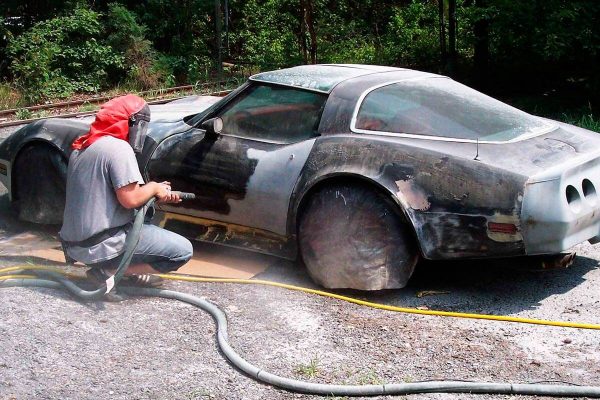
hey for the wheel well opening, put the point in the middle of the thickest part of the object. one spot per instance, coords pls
(357, 181)
(32, 144)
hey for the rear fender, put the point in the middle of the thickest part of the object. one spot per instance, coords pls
(448, 200)
(328, 163)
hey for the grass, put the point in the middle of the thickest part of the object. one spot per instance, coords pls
(41, 114)
(369, 378)
(9, 97)
(86, 107)
(309, 370)
(23, 114)
(559, 107)
(583, 120)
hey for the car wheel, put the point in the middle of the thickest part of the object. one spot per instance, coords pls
(40, 175)
(352, 237)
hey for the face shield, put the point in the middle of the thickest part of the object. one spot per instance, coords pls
(138, 126)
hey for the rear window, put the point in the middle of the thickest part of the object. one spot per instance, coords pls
(441, 107)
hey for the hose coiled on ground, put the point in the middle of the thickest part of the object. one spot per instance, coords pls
(444, 386)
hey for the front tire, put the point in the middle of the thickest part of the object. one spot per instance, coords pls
(351, 237)
(40, 176)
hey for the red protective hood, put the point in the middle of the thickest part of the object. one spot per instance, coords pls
(111, 120)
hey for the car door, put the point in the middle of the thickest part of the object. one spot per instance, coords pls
(244, 175)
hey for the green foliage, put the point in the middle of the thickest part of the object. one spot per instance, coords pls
(412, 38)
(309, 370)
(127, 37)
(62, 55)
(370, 377)
(123, 27)
(584, 119)
(543, 41)
(346, 42)
(57, 47)
(183, 34)
(23, 113)
(267, 34)
(9, 97)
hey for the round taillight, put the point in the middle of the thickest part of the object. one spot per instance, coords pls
(573, 198)
(589, 191)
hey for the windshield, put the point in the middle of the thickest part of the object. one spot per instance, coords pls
(441, 107)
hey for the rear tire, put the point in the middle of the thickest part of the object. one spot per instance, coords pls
(351, 237)
(40, 177)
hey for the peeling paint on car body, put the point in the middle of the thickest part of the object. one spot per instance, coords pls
(412, 196)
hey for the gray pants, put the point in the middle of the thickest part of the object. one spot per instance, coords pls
(164, 250)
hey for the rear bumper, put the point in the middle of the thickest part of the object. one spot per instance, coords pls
(561, 207)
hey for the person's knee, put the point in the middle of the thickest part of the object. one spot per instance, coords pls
(165, 251)
(187, 250)
(182, 251)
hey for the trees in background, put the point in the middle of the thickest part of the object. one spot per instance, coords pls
(56, 47)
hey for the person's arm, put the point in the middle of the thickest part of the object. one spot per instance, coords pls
(135, 195)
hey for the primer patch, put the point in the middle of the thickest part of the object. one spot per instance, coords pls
(412, 196)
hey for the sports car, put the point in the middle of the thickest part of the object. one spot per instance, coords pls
(359, 170)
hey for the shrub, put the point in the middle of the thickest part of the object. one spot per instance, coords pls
(62, 55)
(127, 37)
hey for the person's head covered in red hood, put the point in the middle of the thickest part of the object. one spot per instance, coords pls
(125, 117)
(104, 185)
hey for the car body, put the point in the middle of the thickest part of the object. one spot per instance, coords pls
(466, 175)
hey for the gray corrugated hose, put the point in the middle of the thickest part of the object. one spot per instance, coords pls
(444, 386)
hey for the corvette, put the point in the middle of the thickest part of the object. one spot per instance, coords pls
(359, 170)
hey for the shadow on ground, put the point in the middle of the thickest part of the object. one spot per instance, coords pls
(503, 286)
(499, 286)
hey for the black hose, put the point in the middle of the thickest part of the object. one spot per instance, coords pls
(443, 386)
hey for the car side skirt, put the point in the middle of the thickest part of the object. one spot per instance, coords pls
(232, 235)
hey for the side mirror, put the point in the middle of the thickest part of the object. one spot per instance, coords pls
(213, 126)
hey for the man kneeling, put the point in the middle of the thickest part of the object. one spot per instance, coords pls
(104, 186)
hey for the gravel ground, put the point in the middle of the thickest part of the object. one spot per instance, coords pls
(54, 347)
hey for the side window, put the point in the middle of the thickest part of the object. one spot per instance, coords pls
(275, 114)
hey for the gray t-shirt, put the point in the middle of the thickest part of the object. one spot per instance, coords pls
(92, 206)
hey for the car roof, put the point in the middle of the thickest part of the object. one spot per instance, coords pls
(322, 77)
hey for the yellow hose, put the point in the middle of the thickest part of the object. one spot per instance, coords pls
(5, 277)
(503, 318)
